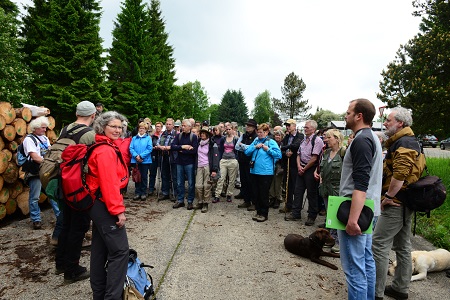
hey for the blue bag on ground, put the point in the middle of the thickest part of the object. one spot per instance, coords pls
(137, 277)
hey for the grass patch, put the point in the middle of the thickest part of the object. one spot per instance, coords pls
(436, 229)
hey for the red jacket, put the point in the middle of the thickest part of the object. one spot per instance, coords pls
(109, 173)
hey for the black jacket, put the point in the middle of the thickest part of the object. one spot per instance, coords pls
(293, 147)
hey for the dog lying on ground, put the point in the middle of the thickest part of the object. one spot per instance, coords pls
(311, 247)
(426, 261)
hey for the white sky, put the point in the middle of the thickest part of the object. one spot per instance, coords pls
(338, 48)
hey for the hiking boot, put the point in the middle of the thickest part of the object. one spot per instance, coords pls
(335, 249)
(244, 205)
(251, 208)
(205, 208)
(239, 196)
(389, 291)
(229, 198)
(178, 204)
(215, 200)
(199, 206)
(276, 204)
(81, 274)
(37, 225)
(261, 219)
(285, 209)
(143, 198)
(137, 197)
(291, 217)
(190, 206)
(255, 217)
(163, 197)
(310, 222)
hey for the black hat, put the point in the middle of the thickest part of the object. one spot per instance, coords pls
(99, 104)
(251, 122)
(205, 123)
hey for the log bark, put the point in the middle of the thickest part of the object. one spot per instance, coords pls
(22, 201)
(7, 111)
(24, 113)
(11, 173)
(3, 161)
(20, 126)
(8, 133)
(15, 189)
(2, 211)
(11, 206)
(4, 195)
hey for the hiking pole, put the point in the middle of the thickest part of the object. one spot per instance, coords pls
(171, 178)
(287, 190)
(160, 158)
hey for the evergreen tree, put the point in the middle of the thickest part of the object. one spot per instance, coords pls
(233, 108)
(164, 69)
(292, 103)
(132, 62)
(64, 48)
(15, 76)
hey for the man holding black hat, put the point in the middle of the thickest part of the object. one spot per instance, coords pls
(244, 162)
(289, 148)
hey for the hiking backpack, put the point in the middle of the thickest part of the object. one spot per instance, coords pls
(137, 278)
(73, 175)
(25, 161)
(49, 167)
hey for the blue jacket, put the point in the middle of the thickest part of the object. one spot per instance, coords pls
(141, 146)
(264, 160)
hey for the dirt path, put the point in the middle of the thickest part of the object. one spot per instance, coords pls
(222, 254)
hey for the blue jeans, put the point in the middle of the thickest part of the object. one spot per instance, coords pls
(35, 212)
(358, 265)
(141, 187)
(187, 171)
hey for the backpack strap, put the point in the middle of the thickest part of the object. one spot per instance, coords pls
(77, 136)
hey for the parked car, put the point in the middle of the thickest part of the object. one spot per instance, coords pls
(427, 140)
(445, 144)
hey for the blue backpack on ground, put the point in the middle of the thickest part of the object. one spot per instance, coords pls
(137, 277)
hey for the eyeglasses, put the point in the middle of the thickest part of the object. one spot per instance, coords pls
(115, 127)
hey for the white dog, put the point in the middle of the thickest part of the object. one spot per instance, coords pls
(426, 261)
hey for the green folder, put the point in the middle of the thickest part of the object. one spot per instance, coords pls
(333, 206)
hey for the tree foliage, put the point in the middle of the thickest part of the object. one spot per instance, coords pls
(262, 111)
(419, 76)
(15, 76)
(213, 114)
(190, 101)
(232, 107)
(291, 103)
(323, 117)
(64, 50)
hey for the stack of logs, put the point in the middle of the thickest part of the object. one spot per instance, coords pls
(14, 126)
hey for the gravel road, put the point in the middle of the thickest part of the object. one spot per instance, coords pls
(222, 254)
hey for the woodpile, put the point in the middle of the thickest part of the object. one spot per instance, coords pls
(14, 126)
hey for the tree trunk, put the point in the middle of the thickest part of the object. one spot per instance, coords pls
(3, 162)
(2, 211)
(11, 206)
(51, 122)
(9, 155)
(12, 146)
(4, 195)
(11, 173)
(8, 133)
(7, 111)
(20, 126)
(2, 122)
(15, 189)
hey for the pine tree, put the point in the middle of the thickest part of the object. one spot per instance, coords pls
(132, 63)
(15, 76)
(165, 63)
(233, 108)
(64, 49)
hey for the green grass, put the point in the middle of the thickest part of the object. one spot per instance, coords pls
(436, 229)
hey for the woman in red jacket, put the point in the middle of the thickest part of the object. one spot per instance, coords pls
(108, 174)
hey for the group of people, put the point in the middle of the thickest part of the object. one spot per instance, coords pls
(273, 165)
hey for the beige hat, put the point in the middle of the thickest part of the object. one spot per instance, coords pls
(290, 121)
(206, 130)
(85, 108)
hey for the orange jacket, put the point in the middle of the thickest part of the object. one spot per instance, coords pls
(109, 173)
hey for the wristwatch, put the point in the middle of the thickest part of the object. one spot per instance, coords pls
(387, 196)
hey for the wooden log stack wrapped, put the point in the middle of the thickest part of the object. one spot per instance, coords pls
(14, 126)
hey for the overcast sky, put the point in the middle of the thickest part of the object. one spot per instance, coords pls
(338, 48)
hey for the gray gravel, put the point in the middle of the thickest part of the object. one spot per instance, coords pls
(222, 254)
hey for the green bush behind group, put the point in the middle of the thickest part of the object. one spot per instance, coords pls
(436, 228)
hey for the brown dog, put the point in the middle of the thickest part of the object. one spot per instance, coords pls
(311, 247)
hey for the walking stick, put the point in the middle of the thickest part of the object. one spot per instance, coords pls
(160, 162)
(287, 190)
